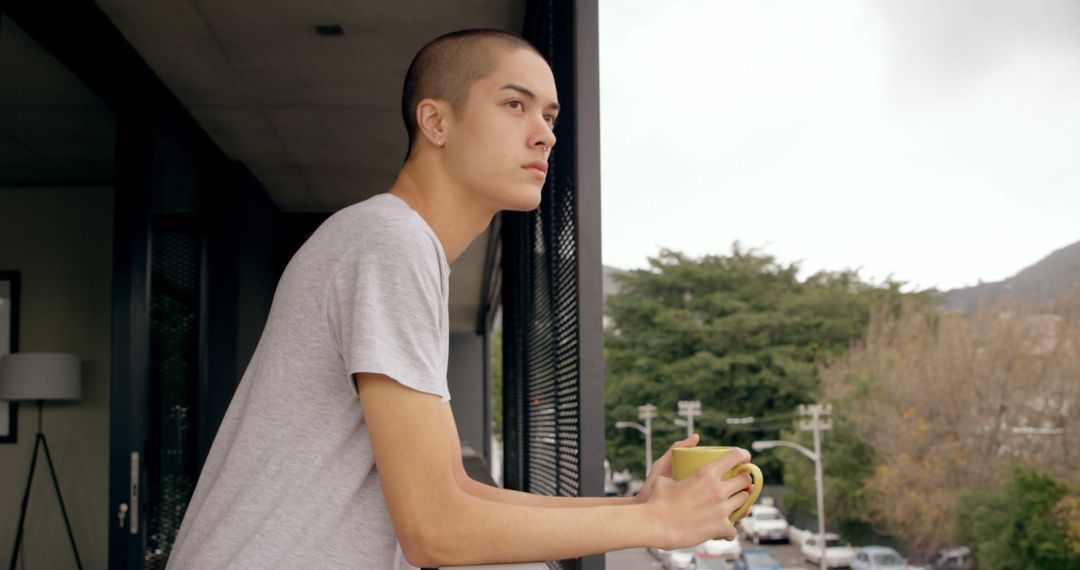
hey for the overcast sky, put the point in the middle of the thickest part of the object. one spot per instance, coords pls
(937, 141)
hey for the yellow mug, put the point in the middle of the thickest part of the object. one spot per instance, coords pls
(687, 460)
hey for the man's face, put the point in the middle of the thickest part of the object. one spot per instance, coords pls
(496, 149)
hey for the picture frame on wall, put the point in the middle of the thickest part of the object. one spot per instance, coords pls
(9, 342)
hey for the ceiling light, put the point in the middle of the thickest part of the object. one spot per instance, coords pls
(329, 30)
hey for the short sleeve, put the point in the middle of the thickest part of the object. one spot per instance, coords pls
(385, 310)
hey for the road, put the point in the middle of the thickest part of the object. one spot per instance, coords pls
(632, 559)
(639, 559)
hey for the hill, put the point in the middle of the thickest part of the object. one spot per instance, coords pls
(1045, 281)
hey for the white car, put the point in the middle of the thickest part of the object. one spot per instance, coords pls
(709, 554)
(717, 554)
(764, 523)
(838, 554)
(678, 559)
(878, 558)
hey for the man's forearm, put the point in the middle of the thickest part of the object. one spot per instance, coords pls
(489, 493)
(470, 530)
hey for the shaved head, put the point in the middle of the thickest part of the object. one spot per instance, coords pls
(447, 66)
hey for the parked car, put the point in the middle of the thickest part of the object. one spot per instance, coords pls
(838, 553)
(797, 535)
(757, 560)
(717, 554)
(713, 563)
(678, 559)
(878, 558)
(711, 554)
(764, 523)
(951, 558)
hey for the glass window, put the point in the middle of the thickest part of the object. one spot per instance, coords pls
(887, 558)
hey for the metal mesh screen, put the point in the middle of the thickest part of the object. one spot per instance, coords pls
(540, 297)
(174, 357)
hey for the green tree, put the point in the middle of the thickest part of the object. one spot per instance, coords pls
(739, 332)
(1015, 527)
(1067, 514)
(934, 398)
(847, 463)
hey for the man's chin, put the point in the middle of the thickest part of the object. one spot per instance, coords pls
(525, 201)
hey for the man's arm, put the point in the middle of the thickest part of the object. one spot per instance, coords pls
(490, 493)
(439, 524)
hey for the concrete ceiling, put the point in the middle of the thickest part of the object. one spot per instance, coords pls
(53, 130)
(316, 118)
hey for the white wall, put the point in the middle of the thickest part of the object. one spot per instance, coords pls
(60, 240)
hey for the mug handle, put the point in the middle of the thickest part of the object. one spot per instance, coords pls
(758, 482)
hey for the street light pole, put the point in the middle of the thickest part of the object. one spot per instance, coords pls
(690, 409)
(815, 411)
(816, 458)
(817, 425)
(646, 413)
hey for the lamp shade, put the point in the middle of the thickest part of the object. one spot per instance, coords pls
(40, 376)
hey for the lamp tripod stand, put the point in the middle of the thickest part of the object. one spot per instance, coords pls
(39, 441)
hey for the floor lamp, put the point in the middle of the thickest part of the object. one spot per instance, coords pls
(28, 376)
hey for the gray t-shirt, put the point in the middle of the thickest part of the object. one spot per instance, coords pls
(290, 481)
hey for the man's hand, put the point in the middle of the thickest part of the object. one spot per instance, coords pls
(662, 468)
(698, 508)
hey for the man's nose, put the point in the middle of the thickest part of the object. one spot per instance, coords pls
(544, 138)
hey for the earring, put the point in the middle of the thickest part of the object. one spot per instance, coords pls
(442, 144)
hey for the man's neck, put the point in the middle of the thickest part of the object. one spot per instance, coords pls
(456, 219)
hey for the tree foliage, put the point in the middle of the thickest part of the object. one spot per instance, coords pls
(946, 402)
(739, 332)
(847, 463)
(1018, 526)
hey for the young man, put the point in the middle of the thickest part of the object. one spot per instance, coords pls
(339, 449)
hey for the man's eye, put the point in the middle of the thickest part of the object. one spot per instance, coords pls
(550, 119)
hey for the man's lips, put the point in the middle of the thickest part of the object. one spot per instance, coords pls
(539, 166)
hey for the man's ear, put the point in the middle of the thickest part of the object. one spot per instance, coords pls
(432, 118)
